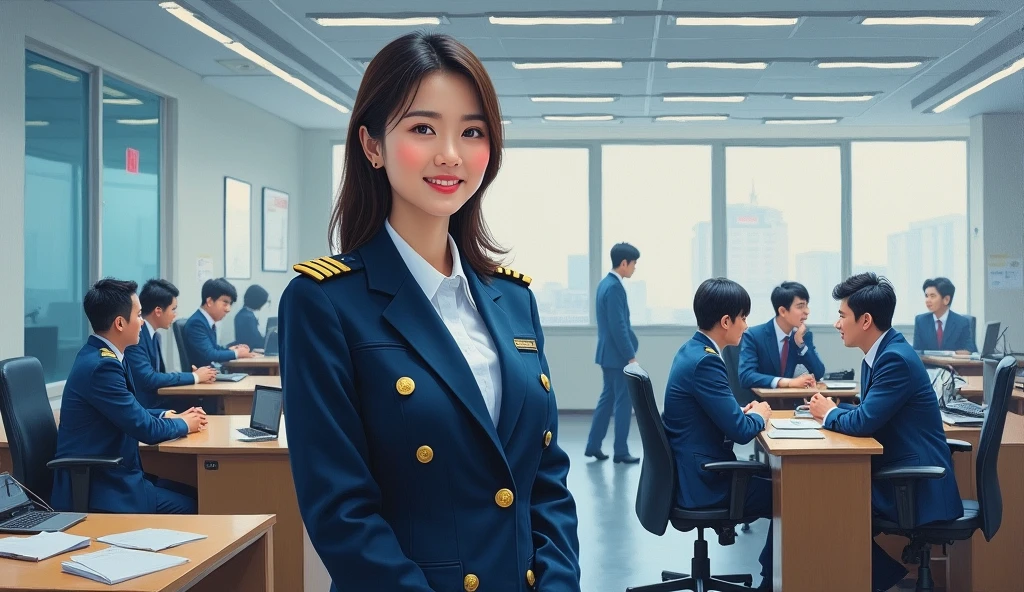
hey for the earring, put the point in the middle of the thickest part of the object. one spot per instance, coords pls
(376, 165)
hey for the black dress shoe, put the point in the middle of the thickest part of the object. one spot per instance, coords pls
(596, 454)
(629, 460)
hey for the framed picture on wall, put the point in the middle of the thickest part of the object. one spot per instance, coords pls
(237, 229)
(275, 230)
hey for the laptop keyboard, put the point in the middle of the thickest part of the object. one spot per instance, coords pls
(28, 520)
(965, 408)
(254, 433)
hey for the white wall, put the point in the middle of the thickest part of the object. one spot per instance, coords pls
(217, 135)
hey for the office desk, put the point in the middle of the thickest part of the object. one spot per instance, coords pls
(821, 497)
(780, 398)
(965, 366)
(235, 397)
(236, 556)
(265, 364)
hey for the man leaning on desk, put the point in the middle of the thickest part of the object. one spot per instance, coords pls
(940, 328)
(898, 409)
(770, 353)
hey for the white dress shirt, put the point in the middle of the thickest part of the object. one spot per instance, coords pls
(943, 318)
(152, 335)
(779, 336)
(616, 274)
(451, 298)
(869, 359)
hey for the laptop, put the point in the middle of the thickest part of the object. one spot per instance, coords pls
(223, 376)
(270, 347)
(265, 418)
(18, 513)
(988, 349)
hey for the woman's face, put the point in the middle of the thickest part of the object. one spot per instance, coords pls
(436, 155)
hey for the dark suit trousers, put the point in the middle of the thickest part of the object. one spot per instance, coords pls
(613, 397)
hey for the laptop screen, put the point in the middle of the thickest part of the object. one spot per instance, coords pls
(11, 495)
(267, 403)
(988, 349)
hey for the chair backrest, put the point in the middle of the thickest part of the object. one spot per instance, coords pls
(990, 500)
(179, 340)
(28, 421)
(731, 357)
(655, 494)
(973, 320)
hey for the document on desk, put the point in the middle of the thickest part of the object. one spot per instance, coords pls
(150, 539)
(795, 435)
(114, 565)
(41, 546)
(795, 424)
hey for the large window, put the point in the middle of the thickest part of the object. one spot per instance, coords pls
(56, 212)
(658, 198)
(538, 208)
(783, 220)
(131, 182)
(910, 217)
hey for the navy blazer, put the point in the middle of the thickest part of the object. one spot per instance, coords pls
(149, 372)
(760, 362)
(201, 345)
(402, 478)
(616, 342)
(956, 334)
(100, 416)
(702, 420)
(247, 329)
(900, 410)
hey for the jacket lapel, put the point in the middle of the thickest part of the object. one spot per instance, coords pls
(773, 347)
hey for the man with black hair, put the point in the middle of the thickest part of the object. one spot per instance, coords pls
(159, 300)
(898, 408)
(616, 347)
(100, 415)
(770, 353)
(940, 328)
(201, 345)
(702, 418)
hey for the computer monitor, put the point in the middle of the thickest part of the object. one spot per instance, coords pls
(270, 347)
(267, 405)
(988, 349)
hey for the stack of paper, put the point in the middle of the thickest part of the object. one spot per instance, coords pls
(795, 429)
(114, 565)
(150, 539)
(794, 424)
(41, 546)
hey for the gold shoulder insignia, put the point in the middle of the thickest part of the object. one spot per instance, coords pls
(323, 268)
(710, 350)
(504, 272)
(106, 353)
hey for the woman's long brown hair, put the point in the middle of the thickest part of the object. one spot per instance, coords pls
(386, 92)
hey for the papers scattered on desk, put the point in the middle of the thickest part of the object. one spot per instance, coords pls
(41, 546)
(795, 435)
(150, 539)
(114, 565)
(795, 424)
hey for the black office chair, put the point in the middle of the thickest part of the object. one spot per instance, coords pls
(985, 513)
(655, 497)
(32, 434)
(179, 340)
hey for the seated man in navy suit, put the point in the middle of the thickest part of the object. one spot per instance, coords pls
(898, 408)
(702, 418)
(771, 352)
(100, 416)
(159, 300)
(941, 328)
(201, 345)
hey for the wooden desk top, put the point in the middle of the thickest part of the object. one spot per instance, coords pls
(833, 444)
(220, 437)
(974, 386)
(950, 361)
(800, 393)
(225, 536)
(1013, 431)
(245, 386)
(258, 362)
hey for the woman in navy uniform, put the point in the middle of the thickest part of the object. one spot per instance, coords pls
(422, 422)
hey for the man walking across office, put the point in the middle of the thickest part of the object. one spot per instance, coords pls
(770, 353)
(616, 348)
(898, 408)
(201, 345)
(941, 328)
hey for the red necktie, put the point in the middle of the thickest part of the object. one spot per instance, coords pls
(938, 332)
(784, 356)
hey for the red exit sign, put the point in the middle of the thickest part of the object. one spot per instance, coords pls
(131, 160)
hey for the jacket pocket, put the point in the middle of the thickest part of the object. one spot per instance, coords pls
(443, 576)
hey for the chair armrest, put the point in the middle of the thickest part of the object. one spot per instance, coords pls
(84, 461)
(904, 480)
(910, 473)
(80, 470)
(736, 465)
(958, 446)
(741, 471)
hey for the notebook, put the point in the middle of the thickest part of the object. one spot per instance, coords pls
(41, 546)
(795, 435)
(150, 539)
(114, 565)
(795, 424)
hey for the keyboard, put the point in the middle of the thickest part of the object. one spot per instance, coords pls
(254, 435)
(965, 407)
(28, 520)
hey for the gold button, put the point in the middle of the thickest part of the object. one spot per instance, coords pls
(424, 454)
(405, 386)
(530, 578)
(544, 381)
(547, 439)
(470, 582)
(503, 498)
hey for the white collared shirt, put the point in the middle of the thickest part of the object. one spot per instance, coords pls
(943, 318)
(209, 319)
(779, 336)
(869, 359)
(152, 335)
(117, 352)
(451, 298)
(616, 274)
(152, 331)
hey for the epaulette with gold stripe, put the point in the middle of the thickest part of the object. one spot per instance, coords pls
(106, 353)
(708, 350)
(511, 274)
(323, 268)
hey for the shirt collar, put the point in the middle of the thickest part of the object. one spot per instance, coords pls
(424, 273)
(779, 333)
(209, 319)
(117, 352)
(943, 318)
(869, 358)
(616, 274)
(150, 328)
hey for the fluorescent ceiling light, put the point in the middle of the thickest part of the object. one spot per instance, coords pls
(579, 117)
(949, 21)
(153, 121)
(411, 21)
(33, 123)
(122, 102)
(865, 64)
(832, 98)
(54, 72)
(800, 121)
(610, 65)
(1007, 71)
(112, 92)
(704, 99)
(551, 20)
(192, 21)
(572, 99)
(720, 65)
(735, 21)
(691, 118)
